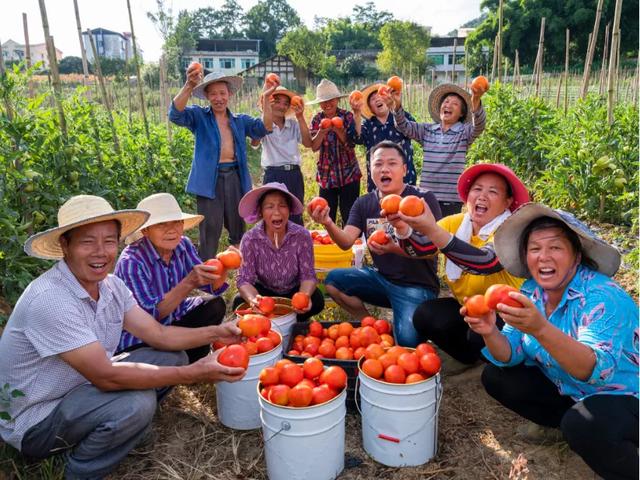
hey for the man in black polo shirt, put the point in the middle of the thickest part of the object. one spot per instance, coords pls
(395, 281)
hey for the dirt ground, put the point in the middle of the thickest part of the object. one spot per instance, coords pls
(476, 441)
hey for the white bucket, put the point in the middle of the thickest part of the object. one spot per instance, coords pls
(237, 402)
(282, 323)
(290, 434)
(400, 421)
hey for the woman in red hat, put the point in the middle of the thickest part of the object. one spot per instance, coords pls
(491, 192)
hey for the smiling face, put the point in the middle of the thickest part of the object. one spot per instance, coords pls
(377, 106)
(388, 170)
(218, 95)
(330, 107)
(280, 105)
(451, 110)
(274, 210)
(165, 236)
(488, 197)
(551, 258)
(90, 252)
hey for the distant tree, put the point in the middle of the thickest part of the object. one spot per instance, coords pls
(225, 22)
(352, 67)
(270, 21)
(111, 66)
(308, 50)
(404, 46)
(370, 17)
(343, 34)
(178, 35)
(70, 65)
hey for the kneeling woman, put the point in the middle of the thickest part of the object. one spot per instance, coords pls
(277, 253)
(491, 191)
(569, 357)
(161, 268)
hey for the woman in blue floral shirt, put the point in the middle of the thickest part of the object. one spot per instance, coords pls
(569, 357)
(377, 126)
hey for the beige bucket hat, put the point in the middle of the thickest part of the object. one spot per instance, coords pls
(76, 212)
(234, 82)
(280, 90)
(366, 93)
(437, 96)
(325, 91)
(163, 207)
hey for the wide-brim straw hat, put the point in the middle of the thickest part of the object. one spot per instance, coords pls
(325, 91)
(520, 194)
(280, 90)
(437, 96)
(366, 93)
(76, 212)
(234, 82)
(508, 235)
(163, 207)
(248, 206)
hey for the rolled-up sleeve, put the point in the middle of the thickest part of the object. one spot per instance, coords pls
(253, 127)
(184, 118)
(515, 338)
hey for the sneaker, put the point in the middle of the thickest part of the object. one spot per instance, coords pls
(539, 435)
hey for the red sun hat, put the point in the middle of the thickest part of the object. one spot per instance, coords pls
(518, 190)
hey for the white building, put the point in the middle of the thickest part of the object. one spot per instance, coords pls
(109, 44)
(14, 51)
(229, 56)
(440, 56)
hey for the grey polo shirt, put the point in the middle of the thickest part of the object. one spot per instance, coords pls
(280, 147)
(55, 314)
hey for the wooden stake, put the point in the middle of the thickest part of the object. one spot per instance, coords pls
(495, 56)
(85, 65)
(499, 41)
(126, 71)
(165, 94)
(558, 91)
(540, 57)
(605, 53)
(143, 108)
(566, 71)
(27, 47)
(611, 80)
(590, 51)
(517, 79)
(53, 68)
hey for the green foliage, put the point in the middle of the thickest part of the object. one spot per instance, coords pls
(70, 64)
(111, 66)
(578, 163)
(368, 16)
(223, 22)
(403, 48)
(307, 49)
(269, 21)
(7, 394)
(343, 34)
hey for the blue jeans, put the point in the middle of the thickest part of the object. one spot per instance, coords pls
(372, 287)
(97, 429)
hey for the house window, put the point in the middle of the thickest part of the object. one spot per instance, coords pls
(227, 63)
(437, 59)
(207, 63)
(459, 59)
(247, 63)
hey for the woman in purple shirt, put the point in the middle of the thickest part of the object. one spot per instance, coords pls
(277, 253)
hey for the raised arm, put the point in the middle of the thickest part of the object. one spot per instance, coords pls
(194, 77)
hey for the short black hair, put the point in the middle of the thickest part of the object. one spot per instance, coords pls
(388, 144)
(545, 223)
(463, 108)
(287, 198)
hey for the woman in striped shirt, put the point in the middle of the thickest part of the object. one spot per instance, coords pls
(491, 193)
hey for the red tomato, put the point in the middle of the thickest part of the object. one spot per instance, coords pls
(269, 376)
(372, 367)
(214, 262)
(315, 329)
(272, 78)
(266, 305)
(264, 344)
(424, 348)
(230, 259)
(413, 378)
(476, 306)
(291, 374)
(327, 350)
(300, 396)
(337, 122)
(430, 364)
(316, 202)
(249, 325)
(367, 321)
(279, 394)
(379, 236)
(390, 203)
(499, 293)
(300, 300)
(409, 362)
(335, 377)
(326, 123)
(274, 337)
(323, 393)
(382, 326)
(394, 374)
(234, 356)
(312, 368)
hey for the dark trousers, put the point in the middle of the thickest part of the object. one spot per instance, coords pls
(450, 208)
(317, 300)
(292, 179)
(439, 320)
(343, 198)
(219, 211)
(602, 429)
(204, 315)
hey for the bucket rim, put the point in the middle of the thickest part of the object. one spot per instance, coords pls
(282, 302)
(360, 371)
(256, 355)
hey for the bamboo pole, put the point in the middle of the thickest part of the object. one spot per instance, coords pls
(499, 40)
(566, 71)
(164, 91)
(53, 68)
(611, 80)
(540, 57)
(103, 91)
(590, 52)
(517, 79)
(605, 53)
(453, 65)
(7, 104)
(143, 108)
(635, 79)
(558, 91)
(127, 73)
(506, 68)
(27, 47)
(83, 53)
(495, 56)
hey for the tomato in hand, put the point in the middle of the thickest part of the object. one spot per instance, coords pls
(476, 306)
(499, 293)
(234, 356)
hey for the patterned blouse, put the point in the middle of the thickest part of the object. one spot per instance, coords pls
(337, 162)
(279, 269)
(373, 132)
(597, 312)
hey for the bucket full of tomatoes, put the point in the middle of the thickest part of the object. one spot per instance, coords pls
(279, 311)
(400, 394)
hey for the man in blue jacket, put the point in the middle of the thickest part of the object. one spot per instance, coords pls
(219, 174)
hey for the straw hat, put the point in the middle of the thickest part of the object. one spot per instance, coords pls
(508, 235)
(518, 190)
(437, 96)
(366, 93)
(234, 82)
(248, 206)
(76, 212)
(280, 90)
(163, 207)
(325, 91)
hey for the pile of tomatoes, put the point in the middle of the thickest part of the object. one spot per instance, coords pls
(402, 365)
(321, 238)
(343, 341)
(259, 338)
(294, 385)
